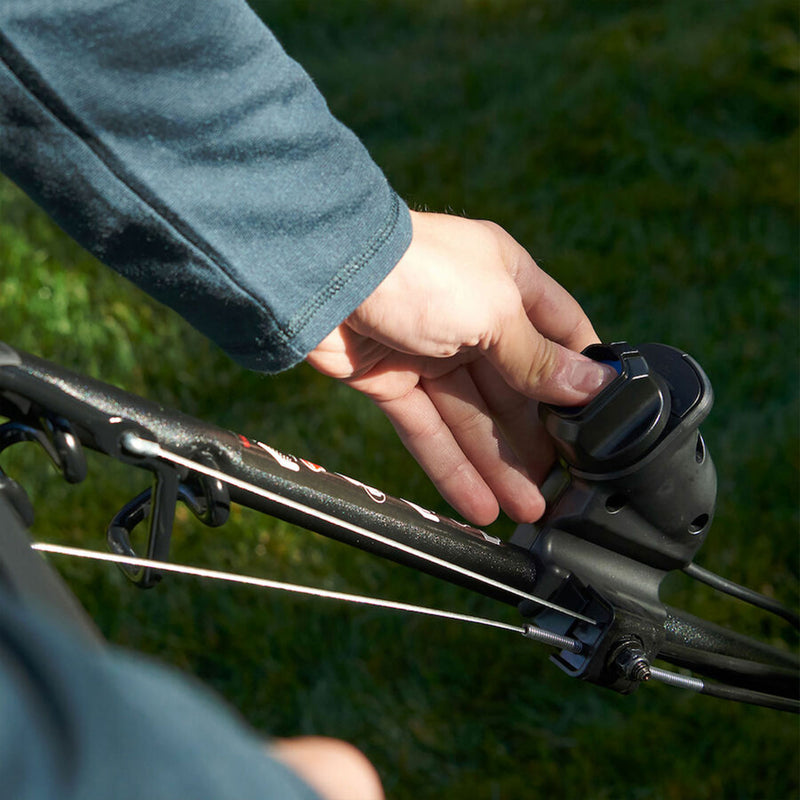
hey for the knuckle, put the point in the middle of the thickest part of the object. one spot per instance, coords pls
(468, 421)
(504, 311)
(543, 363)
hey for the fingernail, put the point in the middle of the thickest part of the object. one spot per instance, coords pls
(589, 377)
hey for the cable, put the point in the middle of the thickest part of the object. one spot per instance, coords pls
(725, 692)
(742, 593)
(529, 631)
(743, 672)
(138, 446)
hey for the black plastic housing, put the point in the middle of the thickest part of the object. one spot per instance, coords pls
(633, 499)
(642, 482)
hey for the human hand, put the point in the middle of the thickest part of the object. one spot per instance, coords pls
(456, 345)
(335, 769)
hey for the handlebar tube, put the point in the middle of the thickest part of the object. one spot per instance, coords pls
(100, 413)
(619, 576)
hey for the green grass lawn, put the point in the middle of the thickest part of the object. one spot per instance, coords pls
(647, 155)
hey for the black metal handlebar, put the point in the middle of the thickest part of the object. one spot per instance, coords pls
(633, 501)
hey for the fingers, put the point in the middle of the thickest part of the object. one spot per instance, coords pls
(470, 420)
(343, 354)
(458, 427)
(525, 323)
(537, 343)
(465, 293)
(459, 430)
(518, 418)
(430, 440)
(554, 312)
(464, 285)
(540, 368)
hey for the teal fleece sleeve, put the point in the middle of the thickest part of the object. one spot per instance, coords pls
(180, 144)
(80, 723)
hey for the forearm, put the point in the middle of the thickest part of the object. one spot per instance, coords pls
(182, 146)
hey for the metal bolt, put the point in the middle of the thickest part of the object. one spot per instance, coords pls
(631, 660)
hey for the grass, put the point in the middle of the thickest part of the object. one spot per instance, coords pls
(647, 155)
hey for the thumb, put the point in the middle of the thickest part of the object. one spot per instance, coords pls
(542, 369)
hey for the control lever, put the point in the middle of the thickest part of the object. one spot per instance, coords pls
(632, 500)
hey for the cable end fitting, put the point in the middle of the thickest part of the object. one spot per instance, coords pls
(135, 445)
(553, 639)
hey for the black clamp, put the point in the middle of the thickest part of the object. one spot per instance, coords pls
(207, 498)
(57, 438)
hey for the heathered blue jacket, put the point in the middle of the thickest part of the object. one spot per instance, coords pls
(179, 143)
